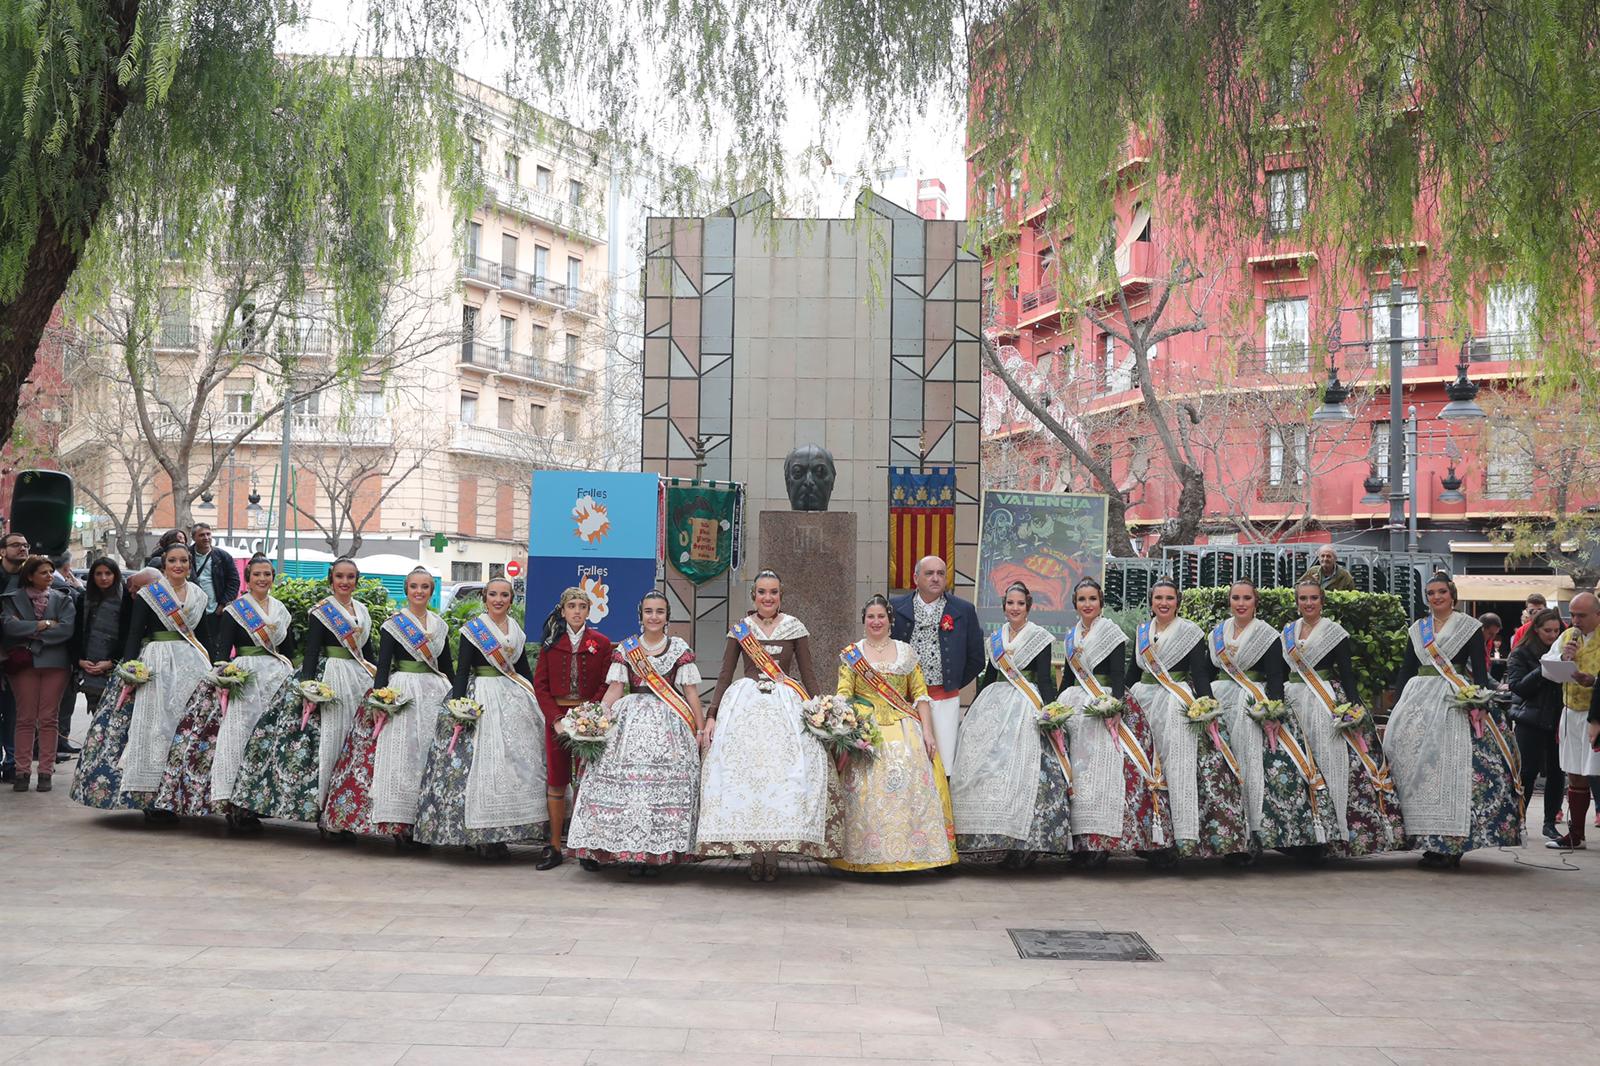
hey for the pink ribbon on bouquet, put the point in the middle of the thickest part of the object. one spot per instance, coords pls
(454, 733)
(1272, 734)
(377, 729)
(305, 714)
(1477, 722)
(127, 694)
(1216, 737)
(223, 701)
(1114, 725)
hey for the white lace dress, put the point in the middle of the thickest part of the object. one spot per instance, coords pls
(638, 802)
(766, 784)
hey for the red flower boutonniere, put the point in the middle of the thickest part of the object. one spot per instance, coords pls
(590, 646)
(947, 623)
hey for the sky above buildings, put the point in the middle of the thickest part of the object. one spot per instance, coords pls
(930, 147)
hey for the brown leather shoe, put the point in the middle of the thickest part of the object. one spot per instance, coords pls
(20, 782)
(44, 783)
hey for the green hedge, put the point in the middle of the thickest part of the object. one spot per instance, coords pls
(1376, 622)
(300, 594)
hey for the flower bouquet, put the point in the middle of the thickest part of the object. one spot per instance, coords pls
(133, 672)
(464, 714)
(1109, 710)
(384, 704)
(311, 694)
(227, 677)
(1202, 715)
(585, 729)
(1269, 715)
(1348, 721)
(844, 726)
(1053, 717)
(1474, 701)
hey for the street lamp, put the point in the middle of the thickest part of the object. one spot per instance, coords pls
(1461, 408)
(1463, 405)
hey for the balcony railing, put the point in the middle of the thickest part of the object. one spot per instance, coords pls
(484, 271)
(1042, 299)
(1291, 358)
(477, 353)
(549, 291)
(508, 444)
(1503, 347)
(563, 214)
(1414, 351)
(315, 428)
(176, 337)
(306, 339)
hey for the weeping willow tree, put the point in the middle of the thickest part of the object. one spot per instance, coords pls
(1483, 110)
(178, 115)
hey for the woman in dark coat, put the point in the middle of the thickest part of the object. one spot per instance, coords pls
(1536, 713)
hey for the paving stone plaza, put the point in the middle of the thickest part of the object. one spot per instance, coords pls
(168, 948)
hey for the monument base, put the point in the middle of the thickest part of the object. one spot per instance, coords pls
(814, 552)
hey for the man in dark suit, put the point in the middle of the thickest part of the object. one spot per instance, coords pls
(214, 571)
(943, 629)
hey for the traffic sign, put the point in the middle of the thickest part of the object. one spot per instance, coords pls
(513, 569)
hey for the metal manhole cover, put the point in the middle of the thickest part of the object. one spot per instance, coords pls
(1081, 945)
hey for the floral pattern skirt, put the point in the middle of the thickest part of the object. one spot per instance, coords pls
(1143, 809)
(98, 781)
(1289, 817)
(279, 776)
(1051, 831)
(637, 803)
(349, 806)
(186, 786)
(897, 812)
(442, 813)
(1373, 818)
(1222, 822)
(1496, 814)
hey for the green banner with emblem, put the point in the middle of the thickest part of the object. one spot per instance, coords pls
(705, 522)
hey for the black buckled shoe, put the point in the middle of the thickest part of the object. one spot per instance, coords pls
(549, 859)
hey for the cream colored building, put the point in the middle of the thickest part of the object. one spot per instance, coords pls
(501, 366)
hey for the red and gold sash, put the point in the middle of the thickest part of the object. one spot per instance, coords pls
(1150, 659)
(637, 658)
(750, 641)
(330, 614)
(1294, 651)
(853, 657)
(1440, 661)
(1150, 769)
(1219, 646)
(1316, 784)
(160, 595)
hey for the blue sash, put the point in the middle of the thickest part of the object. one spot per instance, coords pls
(159, 595)
(482, 635)
(331, 615)
(414, 638)
(245, 612)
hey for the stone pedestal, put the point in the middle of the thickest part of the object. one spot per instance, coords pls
(815, 554)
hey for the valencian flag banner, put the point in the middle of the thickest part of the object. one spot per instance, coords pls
(922, 519)
(704, 526)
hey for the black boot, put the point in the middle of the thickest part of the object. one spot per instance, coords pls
(549, 859)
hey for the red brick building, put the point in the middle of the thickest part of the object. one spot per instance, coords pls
(1271, 310)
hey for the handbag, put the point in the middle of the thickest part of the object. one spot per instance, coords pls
(18, 659)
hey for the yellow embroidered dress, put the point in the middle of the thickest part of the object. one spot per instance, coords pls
(896, 806)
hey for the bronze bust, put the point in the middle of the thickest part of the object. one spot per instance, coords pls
(809, 474)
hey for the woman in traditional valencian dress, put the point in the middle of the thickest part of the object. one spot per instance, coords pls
(207, 751)
(1009, 788)
(1316, 650)
(1119, 803)
(485, 781)
(288, 762)
(1286, 801)
(1169, 671)
(125, 752)
(378, 779)
(897, 805)
(1457, 772)
(636, 804)
(765, 783)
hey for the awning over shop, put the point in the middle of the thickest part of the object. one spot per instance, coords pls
(1504, 588)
